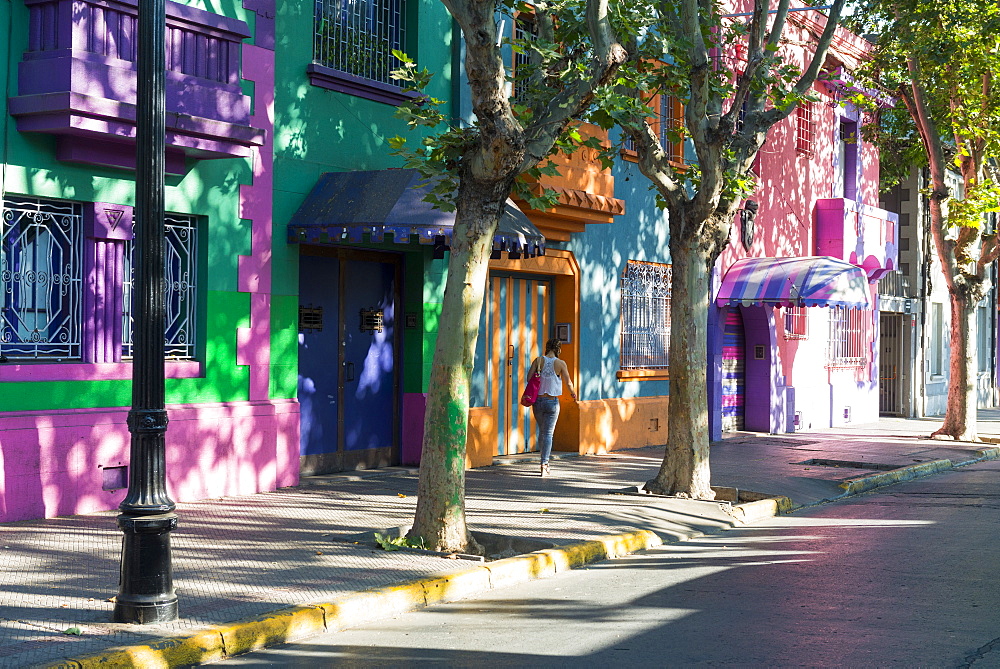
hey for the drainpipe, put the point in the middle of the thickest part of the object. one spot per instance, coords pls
(925, 286)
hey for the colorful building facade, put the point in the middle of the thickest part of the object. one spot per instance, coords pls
(66, 241)
(306, 273)
(795, 330)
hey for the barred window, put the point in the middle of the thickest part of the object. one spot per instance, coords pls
(525, 30)
(180, 265)
(805, 128)
(671, 128)
(795, 323)
(850, 339)
(41, 278)
(645, 317)
(358, 36)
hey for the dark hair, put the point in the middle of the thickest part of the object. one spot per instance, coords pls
(554, 345)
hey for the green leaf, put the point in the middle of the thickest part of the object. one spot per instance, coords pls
(73, 631)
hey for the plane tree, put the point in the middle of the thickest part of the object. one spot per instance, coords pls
(732, 72)
(940, 59)
(569, 49)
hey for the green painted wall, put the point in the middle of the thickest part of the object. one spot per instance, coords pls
(317, 131)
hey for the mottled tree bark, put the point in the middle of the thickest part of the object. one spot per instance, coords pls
(498, 150)
(685, 468)
(440, 515)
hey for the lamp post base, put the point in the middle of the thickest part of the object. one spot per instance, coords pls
(146, 590)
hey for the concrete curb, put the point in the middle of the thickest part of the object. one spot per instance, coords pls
(298, 622)
(862, 484)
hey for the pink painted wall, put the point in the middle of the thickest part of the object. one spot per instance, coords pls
(52, 462)
(791, 184)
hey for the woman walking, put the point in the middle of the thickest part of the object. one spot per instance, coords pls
(553, 372)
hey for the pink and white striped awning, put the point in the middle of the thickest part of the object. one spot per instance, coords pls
(815, 281)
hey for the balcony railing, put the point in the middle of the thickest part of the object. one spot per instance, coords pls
(895, 284)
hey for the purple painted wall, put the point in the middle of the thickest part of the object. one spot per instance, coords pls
(78, 81)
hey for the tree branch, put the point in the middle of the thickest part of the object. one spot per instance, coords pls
(569, 103)
(808, 77)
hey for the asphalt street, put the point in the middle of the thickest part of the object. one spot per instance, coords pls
(901, 577)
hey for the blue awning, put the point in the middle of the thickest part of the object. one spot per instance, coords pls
(388, 205)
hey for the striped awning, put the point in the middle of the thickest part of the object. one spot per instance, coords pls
(816, 281)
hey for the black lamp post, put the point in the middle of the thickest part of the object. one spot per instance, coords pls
(146, 588)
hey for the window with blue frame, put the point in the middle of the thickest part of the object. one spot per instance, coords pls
(41, 279)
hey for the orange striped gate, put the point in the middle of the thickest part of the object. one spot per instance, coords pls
(516, 321)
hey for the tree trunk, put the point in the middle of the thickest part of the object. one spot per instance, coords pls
(960, 416)
(440, 514)
(685, 468)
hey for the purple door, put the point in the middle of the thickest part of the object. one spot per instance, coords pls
(348, 360)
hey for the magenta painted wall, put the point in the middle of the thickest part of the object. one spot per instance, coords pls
(53, 461)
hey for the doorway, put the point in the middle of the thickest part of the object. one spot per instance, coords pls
(516, 321)
(733, 371)
(348, 386)
(890, 364)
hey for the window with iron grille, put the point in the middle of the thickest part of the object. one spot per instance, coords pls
(805, 128)
(671, 128)
(795, 322)
(180, 264)
(849, 344)
(525, 30)
(358, 36)
(41, 278)
(645, 317)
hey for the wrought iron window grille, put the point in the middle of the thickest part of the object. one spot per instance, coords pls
(359, 36)
(645, 315)
(41, 279)
(180, 274)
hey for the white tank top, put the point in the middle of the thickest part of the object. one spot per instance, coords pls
(551, 384)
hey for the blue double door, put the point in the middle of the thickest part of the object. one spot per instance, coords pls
(348, 382)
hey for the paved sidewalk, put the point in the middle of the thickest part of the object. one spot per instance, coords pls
(246, 557)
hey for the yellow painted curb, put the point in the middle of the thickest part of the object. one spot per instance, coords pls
(299, 622)
(865, 483)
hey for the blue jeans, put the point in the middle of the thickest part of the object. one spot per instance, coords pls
(546, 410)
